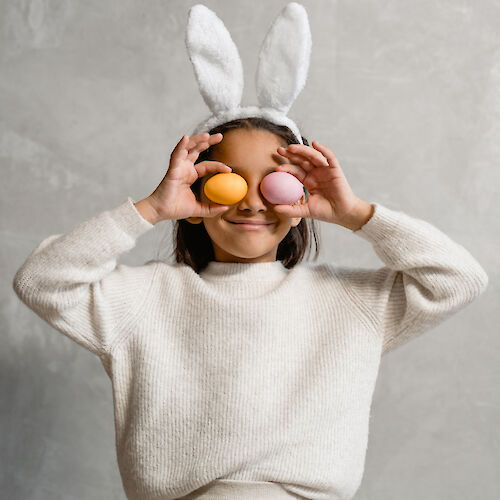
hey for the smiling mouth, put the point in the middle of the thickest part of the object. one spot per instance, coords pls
(253, 223)
(243, 225)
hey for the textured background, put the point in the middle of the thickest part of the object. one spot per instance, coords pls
(95, 94)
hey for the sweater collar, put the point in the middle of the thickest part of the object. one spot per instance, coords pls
(232, 271)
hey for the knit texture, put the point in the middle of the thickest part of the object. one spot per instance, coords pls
(248, 372)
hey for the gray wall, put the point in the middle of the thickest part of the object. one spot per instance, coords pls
(94, 96)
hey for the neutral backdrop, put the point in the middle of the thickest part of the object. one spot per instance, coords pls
(95, 94)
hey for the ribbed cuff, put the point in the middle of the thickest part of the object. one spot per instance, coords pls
(128, 218)
(383, 224)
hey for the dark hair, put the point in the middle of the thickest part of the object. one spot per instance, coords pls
(193, 245)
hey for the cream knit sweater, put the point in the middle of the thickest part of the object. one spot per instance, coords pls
(247, 372)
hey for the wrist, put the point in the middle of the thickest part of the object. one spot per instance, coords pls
(148, 211)
(360, 215)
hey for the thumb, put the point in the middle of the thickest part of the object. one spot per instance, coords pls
(298, 209)
(288, 210)
(211, 209)
(217, 209)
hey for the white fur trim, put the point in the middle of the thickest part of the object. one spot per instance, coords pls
(281, 73)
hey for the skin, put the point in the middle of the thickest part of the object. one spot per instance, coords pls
(330, 199)
(251, 154)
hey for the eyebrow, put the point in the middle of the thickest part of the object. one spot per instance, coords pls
(276, 156)
(271, 169)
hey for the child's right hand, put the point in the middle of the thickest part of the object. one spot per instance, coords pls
(173, 198)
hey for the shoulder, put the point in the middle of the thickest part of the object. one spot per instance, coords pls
(146, 270)
(174, 273)
(333, 285)
(124, 276)
(329, 272)
(350, 276)
(354, 282)
(323, 276)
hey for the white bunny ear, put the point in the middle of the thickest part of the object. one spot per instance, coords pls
(215, 58)
(284, 59)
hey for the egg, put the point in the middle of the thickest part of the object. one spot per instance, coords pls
(281, 188)
(226, 188)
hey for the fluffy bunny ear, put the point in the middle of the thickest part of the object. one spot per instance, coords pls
(215, 58)
(284, 59)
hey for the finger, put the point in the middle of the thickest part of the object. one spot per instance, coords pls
(195, 139)
(195, 151)
(209, 166)
(180, 151)
(202, 142)
(314, 156)
(297, 210)
(205, 137)
(328, 153)
(294, 170)
(211, 209)
(308, 158)
(215, 138)
(304, 163)
(181, 144)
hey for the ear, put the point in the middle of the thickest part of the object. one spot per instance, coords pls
(215, 58)
(194, 220)
(284, 59)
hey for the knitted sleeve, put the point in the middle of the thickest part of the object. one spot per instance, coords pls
(427, 277)
(73, 282)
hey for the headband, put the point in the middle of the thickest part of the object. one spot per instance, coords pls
(281, 73)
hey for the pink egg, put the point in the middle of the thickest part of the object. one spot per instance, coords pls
(281, 188)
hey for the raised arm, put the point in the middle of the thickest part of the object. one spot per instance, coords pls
(73, 282)
(427, 276)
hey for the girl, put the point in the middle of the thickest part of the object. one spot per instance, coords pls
(239, 372)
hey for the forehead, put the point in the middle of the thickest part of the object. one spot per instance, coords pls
(249, 151)
(252, 166)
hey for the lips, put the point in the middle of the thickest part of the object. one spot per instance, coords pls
(251, 225)
(253, 222)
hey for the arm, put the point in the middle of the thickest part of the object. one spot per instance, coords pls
(73, 282)
(427, 277)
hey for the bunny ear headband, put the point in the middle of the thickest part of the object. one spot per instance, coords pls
(281, 73)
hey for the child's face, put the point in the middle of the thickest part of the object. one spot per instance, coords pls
(251, 154)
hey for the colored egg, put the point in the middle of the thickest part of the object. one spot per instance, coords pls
(281, 188)
(226, 188)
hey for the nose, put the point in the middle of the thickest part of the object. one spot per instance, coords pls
(253, 201)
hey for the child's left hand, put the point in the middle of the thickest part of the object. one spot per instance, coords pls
(330, 197)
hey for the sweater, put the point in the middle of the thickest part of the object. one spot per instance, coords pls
(247, 372)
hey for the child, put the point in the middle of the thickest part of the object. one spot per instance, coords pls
(234, 375)
(248, 371)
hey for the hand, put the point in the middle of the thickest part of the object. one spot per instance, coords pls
(173, 198)
(330, 197)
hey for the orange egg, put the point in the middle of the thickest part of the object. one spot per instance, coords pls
(226, 188)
